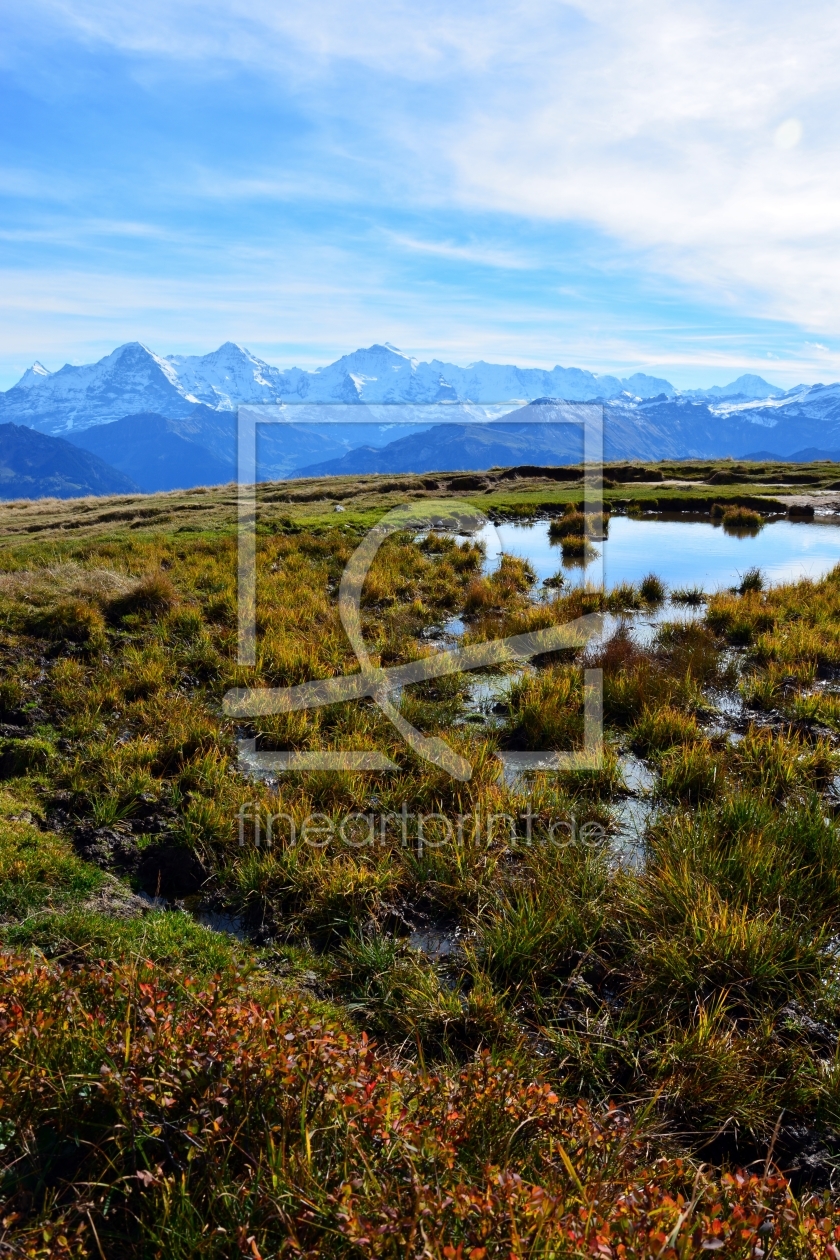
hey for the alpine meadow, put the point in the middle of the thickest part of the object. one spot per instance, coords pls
(355, 1034)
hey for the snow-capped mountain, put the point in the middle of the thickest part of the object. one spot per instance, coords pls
(382, 374)
(191, 399)
(751, 388)
(229, 376)
(133, 380)
(33, 376)
(130, 379)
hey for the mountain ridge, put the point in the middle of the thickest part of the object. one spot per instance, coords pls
(35, 466)
(132, 380)
(677, 428)
(155, 453)
(170, 421)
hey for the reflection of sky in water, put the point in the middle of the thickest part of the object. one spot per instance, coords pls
(681, 553)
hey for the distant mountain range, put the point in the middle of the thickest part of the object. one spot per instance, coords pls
(809, 455)
(167, 423)
(132, 380)
(661, 428)
(35, 466)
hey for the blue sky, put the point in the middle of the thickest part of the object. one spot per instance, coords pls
(619, 186)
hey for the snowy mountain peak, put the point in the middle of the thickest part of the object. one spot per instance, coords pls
(642, 386)
(748, 387)
(133, 380)
(32, 376)
(371, 362)
(387, 345)
(228, 376)
(129, 379)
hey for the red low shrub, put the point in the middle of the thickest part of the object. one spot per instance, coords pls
(144, 1115)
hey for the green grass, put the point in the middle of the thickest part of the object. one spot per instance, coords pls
(38, 870)
(201, 515)
(686, 989)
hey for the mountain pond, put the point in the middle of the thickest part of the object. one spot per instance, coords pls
(684, 553)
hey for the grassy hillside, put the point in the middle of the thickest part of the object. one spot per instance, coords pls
(518, 1040)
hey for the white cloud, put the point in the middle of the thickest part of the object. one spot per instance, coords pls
(698, 132)
(482, 255)
(788, 134)
(665, 140)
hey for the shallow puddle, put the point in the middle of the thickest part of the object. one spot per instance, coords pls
(218, 921)
(435, 942)
(638, 777)
(632, 817)
(729, 713)
(633, 814)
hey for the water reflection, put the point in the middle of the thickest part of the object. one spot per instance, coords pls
(685, 554)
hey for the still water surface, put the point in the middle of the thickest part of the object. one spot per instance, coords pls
(682, 553)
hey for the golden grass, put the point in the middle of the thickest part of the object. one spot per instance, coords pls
(670, 980)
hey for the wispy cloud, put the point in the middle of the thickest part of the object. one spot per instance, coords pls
(663, 156)
(659, 122)
(81, 232)
(399, 37)
(481, 255)
(33, 185)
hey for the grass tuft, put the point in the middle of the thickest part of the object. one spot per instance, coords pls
(742, 518)
(69, 621)
(652, 589)
(692, 596)
(153, 594)
(751, 580)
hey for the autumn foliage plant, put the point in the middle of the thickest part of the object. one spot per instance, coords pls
(146, 1114)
